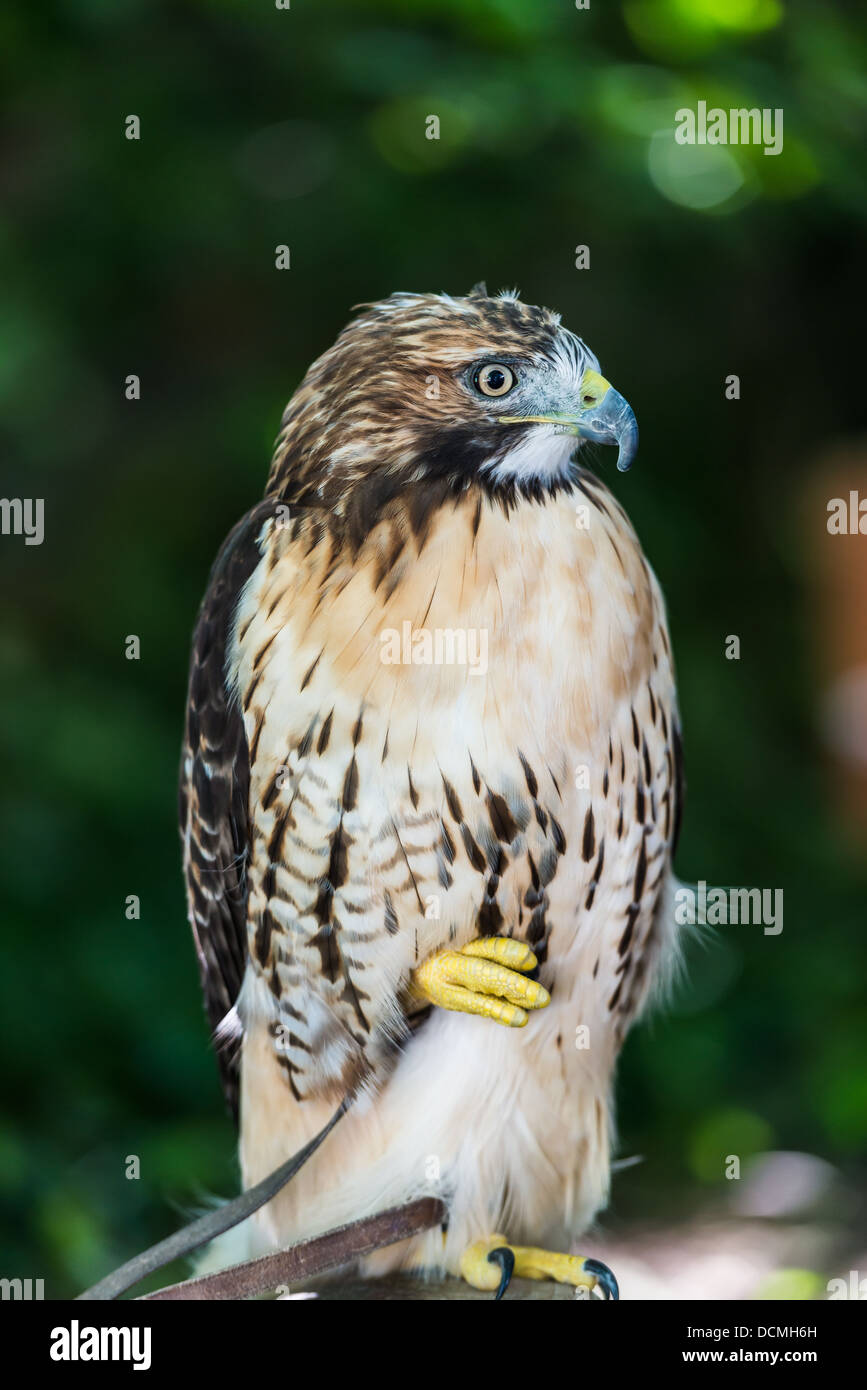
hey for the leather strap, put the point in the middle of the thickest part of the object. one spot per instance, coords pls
(214, 1223)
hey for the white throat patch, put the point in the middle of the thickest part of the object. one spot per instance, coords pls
(542, 454)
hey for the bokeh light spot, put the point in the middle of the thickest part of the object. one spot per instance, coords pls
(694, 176)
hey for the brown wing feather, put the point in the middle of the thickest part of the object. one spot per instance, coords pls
(214, 788)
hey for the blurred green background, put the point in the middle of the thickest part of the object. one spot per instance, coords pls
(306, 127)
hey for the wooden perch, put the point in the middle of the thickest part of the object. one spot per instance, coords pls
(339, 1247)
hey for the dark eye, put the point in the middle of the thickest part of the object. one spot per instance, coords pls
(494, 379)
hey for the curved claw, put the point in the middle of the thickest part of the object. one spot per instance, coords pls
(604, 1278)
(505, 1258)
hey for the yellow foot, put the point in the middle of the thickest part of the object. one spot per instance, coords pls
(489, 1264)
(483, 978)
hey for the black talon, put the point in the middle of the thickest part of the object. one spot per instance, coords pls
(505, 1258)
(604, 1278)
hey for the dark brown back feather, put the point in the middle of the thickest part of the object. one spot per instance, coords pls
(214, 789)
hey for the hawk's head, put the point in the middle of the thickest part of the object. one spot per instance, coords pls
(425, 389)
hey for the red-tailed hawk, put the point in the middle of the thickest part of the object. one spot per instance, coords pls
(431, 789)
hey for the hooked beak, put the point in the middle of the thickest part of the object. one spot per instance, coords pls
(602, 415)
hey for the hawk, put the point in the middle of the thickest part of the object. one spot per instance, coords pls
(431, 790)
